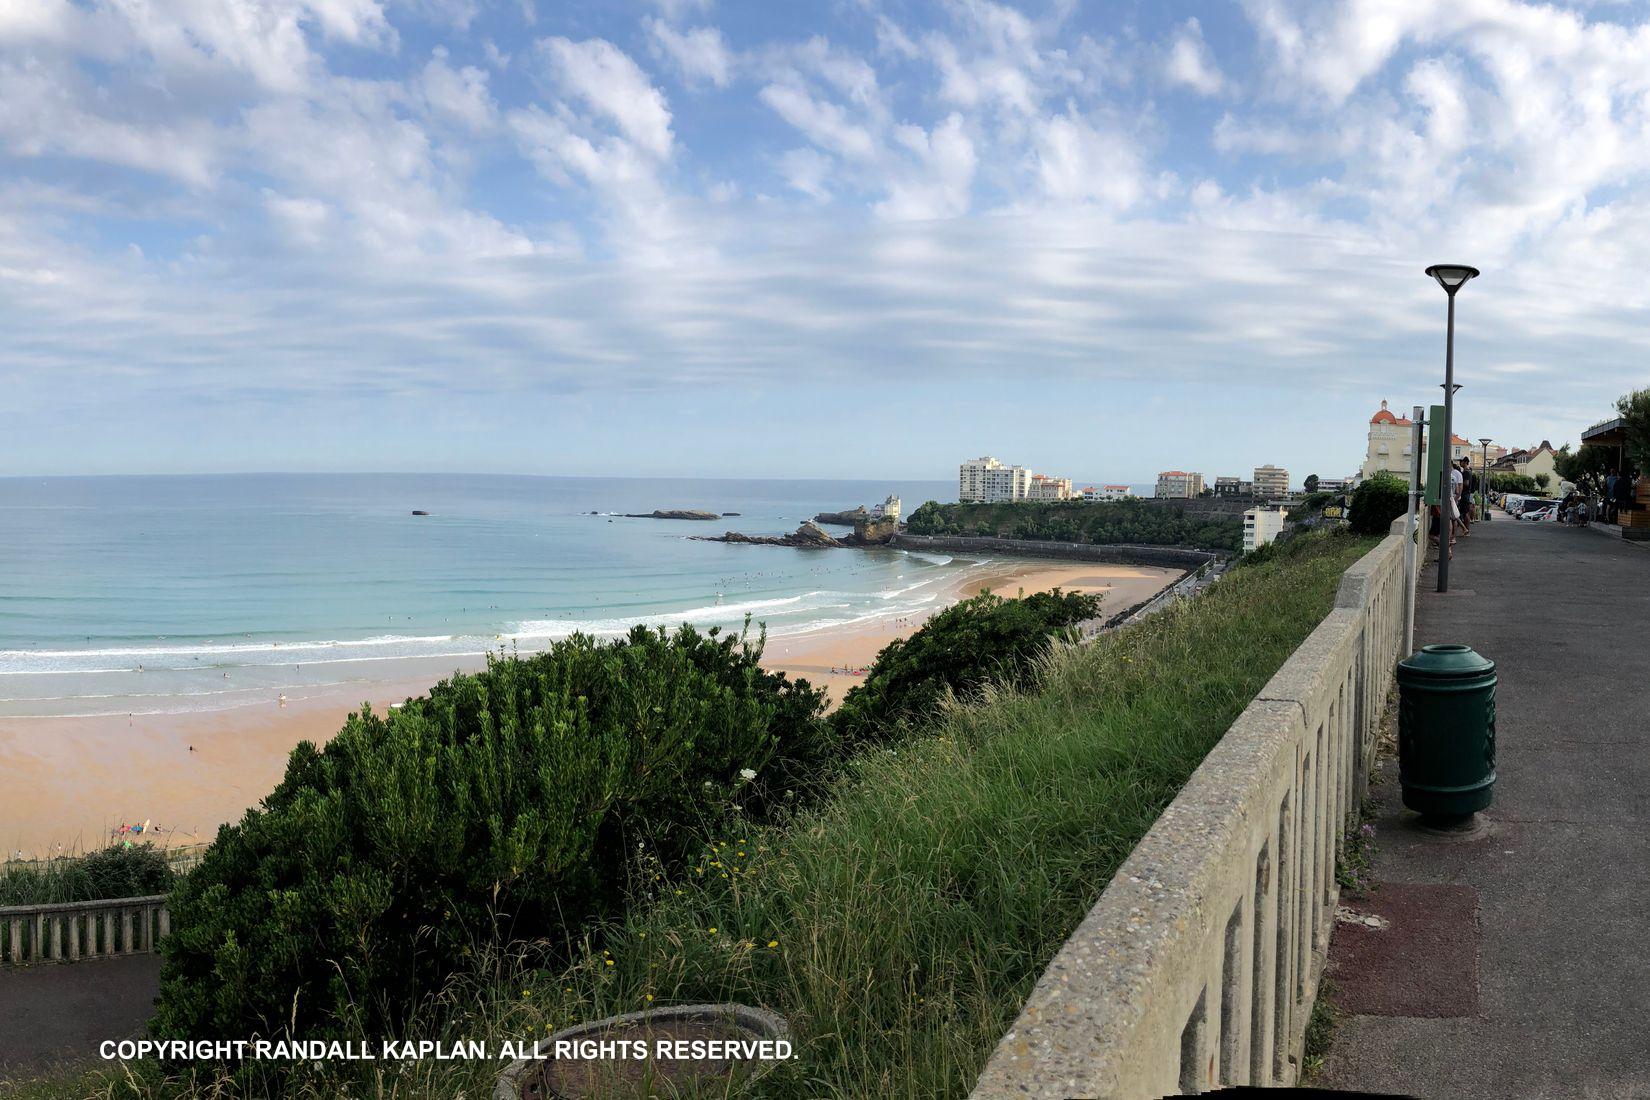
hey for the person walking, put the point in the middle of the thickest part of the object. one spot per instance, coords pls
(1457, 480)
(1610, 495)
(1469, 489)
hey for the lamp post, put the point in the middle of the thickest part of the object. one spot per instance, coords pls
(1484, 481)
(1452, 277)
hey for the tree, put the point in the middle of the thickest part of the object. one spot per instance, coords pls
(1543, 481)
(1378, 501)
(1586, 468)
(1311, 483)
(1635, 412)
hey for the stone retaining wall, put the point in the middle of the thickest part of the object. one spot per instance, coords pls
(1198, 966)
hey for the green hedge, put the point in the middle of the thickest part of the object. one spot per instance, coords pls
(508, 805)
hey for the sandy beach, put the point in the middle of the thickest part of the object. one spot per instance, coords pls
(67, 782)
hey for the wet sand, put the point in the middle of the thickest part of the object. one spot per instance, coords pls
(66, 783)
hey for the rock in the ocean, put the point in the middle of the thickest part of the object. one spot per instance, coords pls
(808, 535)
(843, 519)
(672, 513)
(420, 512)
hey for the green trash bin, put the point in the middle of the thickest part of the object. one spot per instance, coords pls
(1446, 731)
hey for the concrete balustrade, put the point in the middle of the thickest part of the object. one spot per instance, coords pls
(82, 929)
(1198, 966)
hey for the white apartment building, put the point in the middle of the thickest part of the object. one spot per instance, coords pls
(1107, 492)
(1179, 483)
(984, 480)
(1048, 487)
(1261, 526)
(1271, 482)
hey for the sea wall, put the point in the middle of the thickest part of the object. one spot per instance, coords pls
(1199, 965)
(1171, 557)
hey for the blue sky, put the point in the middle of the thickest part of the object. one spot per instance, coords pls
(860, 238)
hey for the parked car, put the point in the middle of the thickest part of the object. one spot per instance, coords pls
(1540, 512)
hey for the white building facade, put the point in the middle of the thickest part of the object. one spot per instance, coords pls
(1261, 526)
(1107, 492)
(1271, 482)
(1048, 487)
(985, 480)
(1179, 483)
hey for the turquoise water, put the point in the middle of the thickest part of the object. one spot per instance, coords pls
(159, 594)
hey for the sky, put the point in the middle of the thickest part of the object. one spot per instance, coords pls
(856, 238)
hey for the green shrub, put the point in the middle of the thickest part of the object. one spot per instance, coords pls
(508, 805)
(114, 872)
(1513, 483)
(1376, 502)
(983, 640)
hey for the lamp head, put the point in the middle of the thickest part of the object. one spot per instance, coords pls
(1485, 442)
(1452, 277)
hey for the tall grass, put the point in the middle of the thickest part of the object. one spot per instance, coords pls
(114, 872)
(900, 926)
(911, 916)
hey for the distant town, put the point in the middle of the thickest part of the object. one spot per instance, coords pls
(988, 480)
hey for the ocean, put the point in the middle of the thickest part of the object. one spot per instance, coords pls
(153, 595)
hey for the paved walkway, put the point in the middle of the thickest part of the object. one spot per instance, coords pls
(56, 1013)
(1518, 964)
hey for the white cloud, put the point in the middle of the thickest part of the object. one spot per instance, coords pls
(613, 86)
(458, 95)
(699, 52)
(1190, 63)
(1080, 162)
(824, 123)
(940, 186)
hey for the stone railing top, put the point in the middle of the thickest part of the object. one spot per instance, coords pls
(47, 908)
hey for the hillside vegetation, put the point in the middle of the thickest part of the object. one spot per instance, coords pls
(900, 922)
(1100, 522)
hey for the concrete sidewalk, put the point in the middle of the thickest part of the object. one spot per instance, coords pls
(55, 1014)
(1517, 964)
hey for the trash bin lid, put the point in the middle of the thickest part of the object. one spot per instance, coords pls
(1447, 661)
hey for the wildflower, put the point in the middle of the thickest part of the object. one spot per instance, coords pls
(773, 943)
(747, 774)
(650, 998)
(527, 993)
(641, 935)
(609, 962)
(713, 930)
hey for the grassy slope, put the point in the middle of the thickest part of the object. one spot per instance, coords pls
(911, 916)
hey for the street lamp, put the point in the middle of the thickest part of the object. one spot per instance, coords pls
(1452, 277)
(1484, 481)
